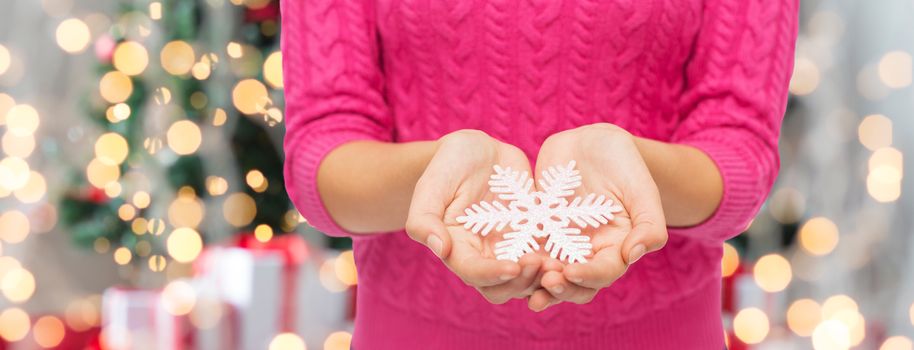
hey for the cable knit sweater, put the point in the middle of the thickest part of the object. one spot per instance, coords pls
(707, 73)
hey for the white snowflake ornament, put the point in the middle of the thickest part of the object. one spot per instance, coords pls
(539, 214)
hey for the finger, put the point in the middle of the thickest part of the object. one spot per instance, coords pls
(553, 264)
(648, 223)
(602, 270)
(548, 264)
(648, 234)
(484, 272)
(561, 289)
(476, 270)
(541, 300)
(425, 222)
(519, 286)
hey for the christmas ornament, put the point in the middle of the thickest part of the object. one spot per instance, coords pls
(540, 214)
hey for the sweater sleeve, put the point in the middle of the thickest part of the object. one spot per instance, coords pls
(734, 100)
(333, 93)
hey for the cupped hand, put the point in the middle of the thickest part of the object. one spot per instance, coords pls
(610, 164)
(456, 177)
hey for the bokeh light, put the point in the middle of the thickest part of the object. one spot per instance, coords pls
(155, 227)
(73, 35)
(233, 49)
(130, 57)
(178, 298)
(157, 263)
(751, 325)
(14, 226)
(17, 285)
(216, 185)
(344, 267)
(14, 173)
(122, 256)
(875, 131)
(22, 120)
(239, 209)
(100, 174)
(887, 157)
(141, 199)
(730, 261)
(126, 212)
(328, 278)
(186, 211)
(155, 10)
(219, 117)
(184, 244)
(263, 233)
(111, 148)
(256, 180)
(177, 57)
(184, 137)
(338, 341)
(895, 69)
(272, 70)
(831, 335)
(837, 303)
(81, 315)
(5, 59)
(48, 331)
(884, 184)
(772, 273)
(6, 102)
(897, 343)
(33, 190)
(287, 341)
(805, 77)
(819, 236)
(19, 146)
(803, 316)
(162, 95)
(14, 324)
(115, 87)
(250, 97)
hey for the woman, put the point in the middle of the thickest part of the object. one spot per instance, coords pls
(398, 110)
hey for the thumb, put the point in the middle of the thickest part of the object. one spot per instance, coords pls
(646, 236)
(428, 229)
(648, 226)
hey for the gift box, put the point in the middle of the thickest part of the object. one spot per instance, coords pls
(137, 319)
(270, 288)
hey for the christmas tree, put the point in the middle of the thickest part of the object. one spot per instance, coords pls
(191, 127)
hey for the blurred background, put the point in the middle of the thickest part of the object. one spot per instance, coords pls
(142, 203)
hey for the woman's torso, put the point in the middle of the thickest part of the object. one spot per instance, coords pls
(521, 71)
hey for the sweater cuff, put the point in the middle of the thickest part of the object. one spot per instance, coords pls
(743, 190)
(301, 178)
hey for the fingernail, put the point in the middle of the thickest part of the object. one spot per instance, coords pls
(505, 277)
(557, 289)
(636, 253)
(576, 279)
(529, 271)
(435, 244)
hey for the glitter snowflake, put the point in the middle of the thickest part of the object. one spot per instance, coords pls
(540, 214)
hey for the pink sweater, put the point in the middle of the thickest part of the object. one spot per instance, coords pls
(707, 73)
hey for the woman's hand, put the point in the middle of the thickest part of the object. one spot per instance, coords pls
(610, 164)
(456, 177)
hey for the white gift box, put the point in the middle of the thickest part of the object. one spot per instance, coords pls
(254, 284)
(136, 319)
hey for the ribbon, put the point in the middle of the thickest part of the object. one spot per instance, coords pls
(294, 252)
